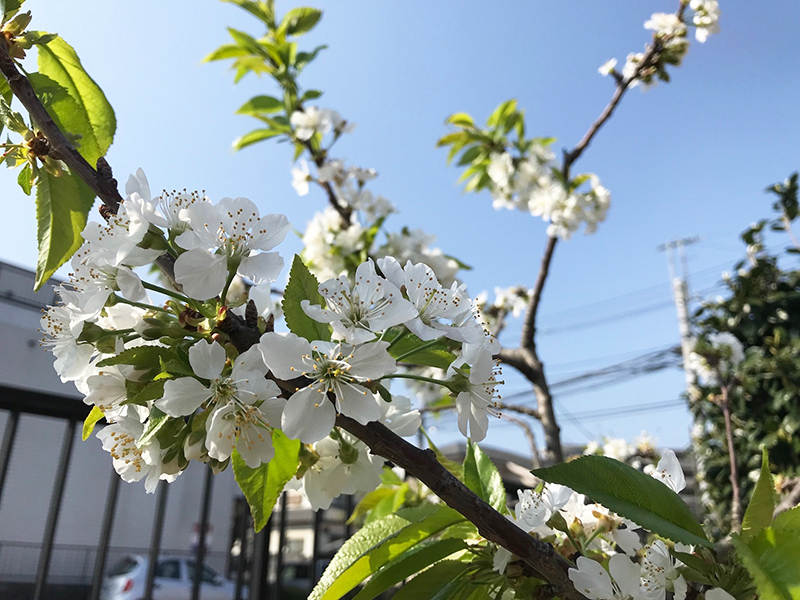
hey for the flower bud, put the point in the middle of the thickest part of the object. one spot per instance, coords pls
(348, 454)
(308, 458)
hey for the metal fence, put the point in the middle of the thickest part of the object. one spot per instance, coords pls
(254, 576)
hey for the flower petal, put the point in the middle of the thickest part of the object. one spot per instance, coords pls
(201, 273)
(308, 416)
(372, 361)
(283, 354)
(207, 359)
(182, 396)
(262, 267)
(358, 403)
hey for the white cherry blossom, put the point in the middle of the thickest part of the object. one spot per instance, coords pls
(358, 314)
(479, 398)
(669, 471)
(229, 236)
(441, 311)
(534, 509)
(300, 178)
(660, 573)
(594, 582)
(332, 367)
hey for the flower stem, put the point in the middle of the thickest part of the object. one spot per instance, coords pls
(441, 382)
(141, 305)
(166, 292)
(424, 346)
(397, 338)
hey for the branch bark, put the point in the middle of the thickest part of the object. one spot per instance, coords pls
(104, 187)
(525, 358)
(491, 524)
(791, 500)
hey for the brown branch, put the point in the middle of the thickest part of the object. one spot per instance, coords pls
(529, 326)
(736, 503)
(104, 187)
(491, 524)
(345, 212)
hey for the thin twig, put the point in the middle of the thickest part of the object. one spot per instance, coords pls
(528, 431)
(736, 504)
(517, 408)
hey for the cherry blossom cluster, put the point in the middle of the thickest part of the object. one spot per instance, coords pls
(335, 244)
(670, 31)
(563, 517)
(171, 385)
(528, 184)
(507, 301)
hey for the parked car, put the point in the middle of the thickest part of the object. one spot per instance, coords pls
(173, 580)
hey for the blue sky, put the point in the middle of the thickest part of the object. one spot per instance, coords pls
(691, 157)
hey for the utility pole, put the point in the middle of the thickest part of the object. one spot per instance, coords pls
(678, 275)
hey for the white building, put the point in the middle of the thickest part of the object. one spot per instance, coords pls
(29, 384)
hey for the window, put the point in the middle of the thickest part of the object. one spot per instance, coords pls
(168, 569)
(123, 567)
(209, 576)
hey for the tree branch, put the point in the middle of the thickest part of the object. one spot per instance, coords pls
(104, 187)
(529, 326)
(491, 524)
(736, 503)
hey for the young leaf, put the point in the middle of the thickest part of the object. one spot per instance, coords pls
(300, 20)
(456, 469)
(141, 357)
(155, 423)
(85, 111)
(629, 493)
(378, 543)
(435, 355)
(303, 286)
(428, 584)
(24, 179)
(772, 558)
(257, 135)
(762, 503)
(263, 486)
(408, 564)
(62, 206)
(370, 501)
(483, 478)
(260, 104)
(90, 421)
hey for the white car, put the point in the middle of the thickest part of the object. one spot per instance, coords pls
(173, 580)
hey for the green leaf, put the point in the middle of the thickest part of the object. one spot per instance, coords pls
(772, 558)
(762, 503)
(431, 582)
(483, 478)
(302, 59)
(310, 95)
(261, 10)
(141, 357)
(10, 8)
(370, 501)
(257, 135)
(388, 505)
(629, 493)
(260, 104)
(86, 112)
(263, 486)
(5, 106)
(226, 51)
(460, 120)
(152, 390)
(436, 355)
(24, 179)
(303, 286)
(408, 564)
(62, 206)
(154, 424)
(300, 20)
(456, 469)
(378, 543)
(90, 421)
